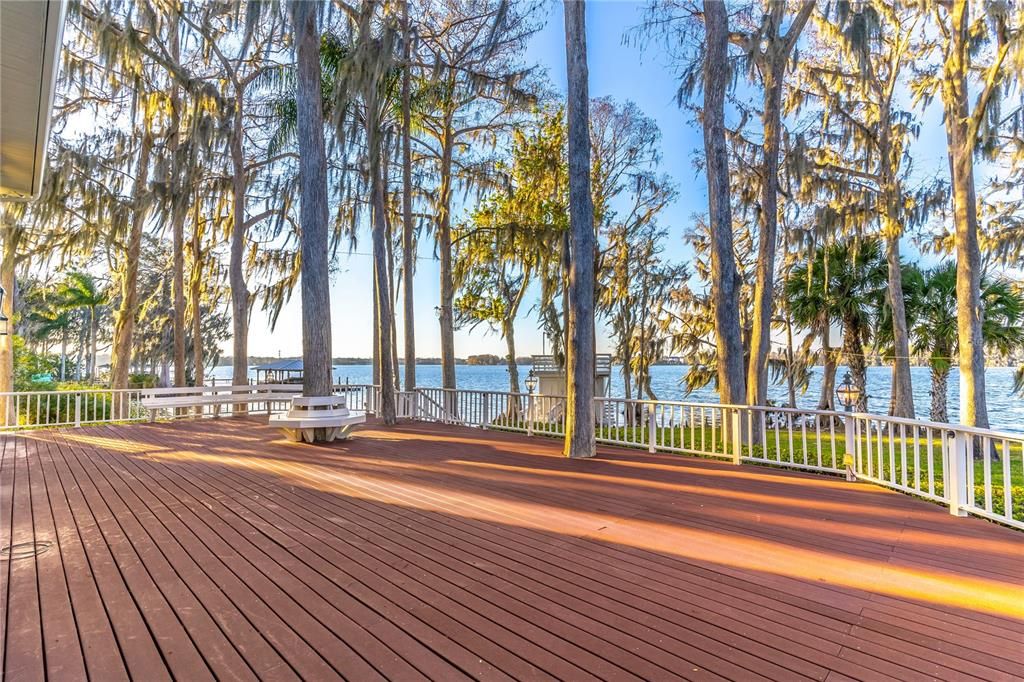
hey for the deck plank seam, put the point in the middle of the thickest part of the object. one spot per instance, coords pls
(119, 563)
(283, 568)
(343, 541)
(226, 496)
(231, 567)
(158, 546)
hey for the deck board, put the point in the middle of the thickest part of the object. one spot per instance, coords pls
(216, 549)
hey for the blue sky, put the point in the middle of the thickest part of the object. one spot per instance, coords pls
(616, 69)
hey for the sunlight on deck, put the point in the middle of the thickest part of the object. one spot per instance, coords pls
(931, 586)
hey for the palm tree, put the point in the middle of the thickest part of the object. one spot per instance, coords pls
(844, 283)
(934, 325)
(82, 291)
(54, 320)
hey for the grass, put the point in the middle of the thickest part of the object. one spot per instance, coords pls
(909, 464)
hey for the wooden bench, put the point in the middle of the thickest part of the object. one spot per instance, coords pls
(317, 412)
(177, 397)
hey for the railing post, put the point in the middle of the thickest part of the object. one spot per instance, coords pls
(736, 429)
(529, 414)
(651, 423)
(850, 454)
(487, 410)
(78, 410)
(955, 467)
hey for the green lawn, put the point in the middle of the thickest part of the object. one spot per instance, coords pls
(917, 469)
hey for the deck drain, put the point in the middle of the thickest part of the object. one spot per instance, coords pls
(24, 550)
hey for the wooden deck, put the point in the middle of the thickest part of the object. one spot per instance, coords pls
(215, 549)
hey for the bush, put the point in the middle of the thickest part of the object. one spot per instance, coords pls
(28, 364)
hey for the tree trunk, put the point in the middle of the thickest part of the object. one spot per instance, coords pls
(179, 210)
(627, 370)
(408, 234)
(375, 360)
(940, 392)
(790, 384)
(853, 350)
(764, 285)
(94, 330)
(725, 280)
(969, 314)
(236, 272)
(82, 356)
(509, 332)
(195, 293)
(316, 292)
(382, 288)
(579, 417)
(63, 353)
(124, 318)
(389, 243)
(383, 296)
(444, 236)
(8, 263)
(827, 401)
(902, 387)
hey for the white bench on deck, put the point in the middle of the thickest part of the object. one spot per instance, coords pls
(317, 412)
(176, 397)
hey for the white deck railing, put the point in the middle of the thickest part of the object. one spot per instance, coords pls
(972, 471)
(37, 409)
(964, 468)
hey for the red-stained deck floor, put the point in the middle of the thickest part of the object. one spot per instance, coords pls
(215, 549)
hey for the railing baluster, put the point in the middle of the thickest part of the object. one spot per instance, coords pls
(817, 441)
(969, 459)
(1007, 481)
(803, 439)
(778, 441)
(663, 425)
(903, 455)
(986, 453)
(870, 455)
(931, 461)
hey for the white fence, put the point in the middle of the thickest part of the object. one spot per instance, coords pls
(42, 409)
(972, 471)
(38, 409)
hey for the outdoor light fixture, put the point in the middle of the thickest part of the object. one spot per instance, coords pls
(531, 381)
(437, 311)
(847, 393)
(3, 318)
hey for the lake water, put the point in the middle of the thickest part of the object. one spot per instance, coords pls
(1006, 410)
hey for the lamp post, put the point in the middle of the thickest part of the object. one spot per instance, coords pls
(848, 395)
(531, 381)
(531, 386)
